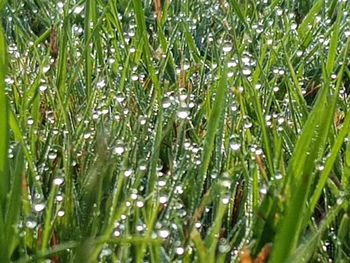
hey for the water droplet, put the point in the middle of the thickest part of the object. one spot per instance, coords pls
(127, 173)
(227, 47)
(119, 149)
(52, 155)
(226, 183)
(42, 88)
(166, 103)
(164, 233)
(163, 199)
(105, 252)
(39, 207)
(139, 204)
(232, 64)
(59, 198)
(179, 189)
(258, 151)
(180, 251)
(263, 191)
(235, 146)
(183, 113)
(101, 84)
(183, 97)
(275, 89)
(133, 196)
(279, 12)
(60, 5)
(140, 228)
(31, 224)
(58, 181)
(198, 225)
(320, 167)
(247, 124)
(78, 10)
(142, 120)
(246, 72)
(30, 121)
(225, 200)
(340, 200)
(278, 176)
(60, 213)
(224, 246)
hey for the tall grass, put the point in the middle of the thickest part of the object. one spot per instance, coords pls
(186, 131)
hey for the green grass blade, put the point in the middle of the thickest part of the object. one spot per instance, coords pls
(337, 143)
(306, 250)
(4, 142)
(213, 122)
(89, 24)
(236, 8)
(301, 167)
(4, 135)
(303, 27)
(14, 205)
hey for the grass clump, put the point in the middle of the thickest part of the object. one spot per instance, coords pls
(161, 131)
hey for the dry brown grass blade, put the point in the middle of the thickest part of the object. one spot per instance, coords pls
(158, 9)
(53, 43)
(245, 257)
(263, 256)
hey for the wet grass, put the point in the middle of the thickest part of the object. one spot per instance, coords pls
(186, 131)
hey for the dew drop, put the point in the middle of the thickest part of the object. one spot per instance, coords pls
(46, 69)
(183, 113)
(30, 121)
(60, 213)
(163, 233)
(52, 155)
(58, 181)
(278, 176)
(227, 48)
(225, 200)
(166, 103)
(118, 149)
(100, 84)
(263, 191)
(127, 173)
(140, 228)
(116, 233)
(42, 88)
(180, 251)
(39, 207)
(78, 9)
(163, 199)
(246, 72)
(139, 204)
(235, 146)
(31, 224)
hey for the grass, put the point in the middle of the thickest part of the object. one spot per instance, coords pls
(174, 131)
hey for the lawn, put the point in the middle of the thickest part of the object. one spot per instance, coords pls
(174, 131)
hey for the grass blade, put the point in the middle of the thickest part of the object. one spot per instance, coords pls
(4, 142)
(301, 166)
(4, 135)
(213, 122)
